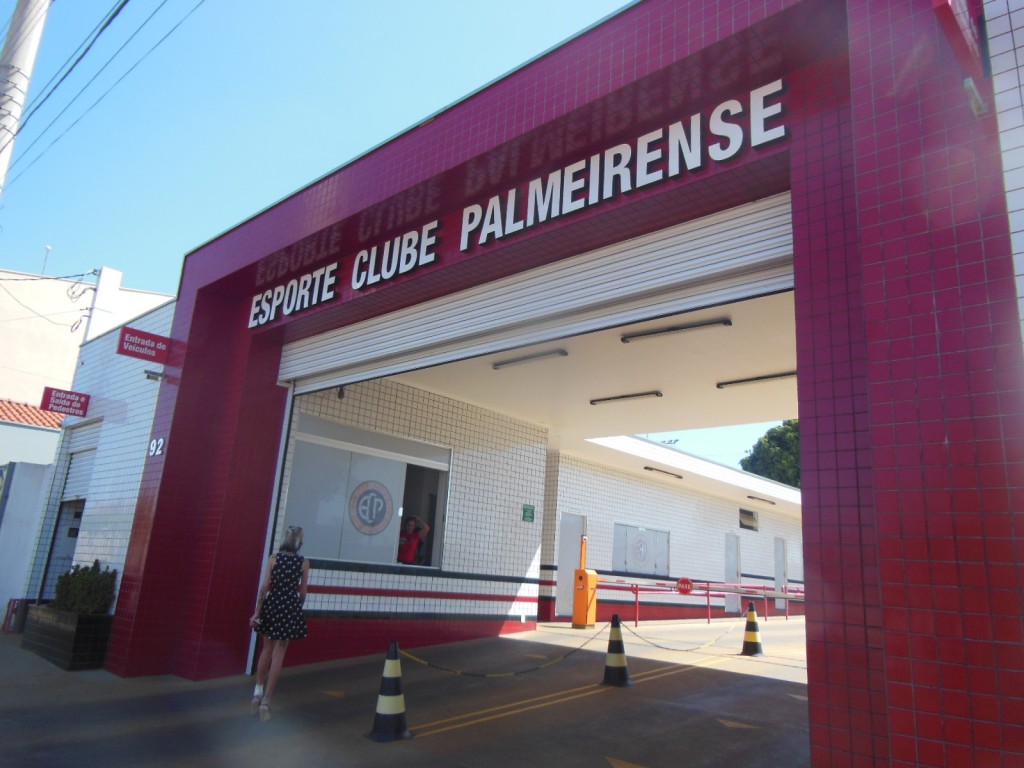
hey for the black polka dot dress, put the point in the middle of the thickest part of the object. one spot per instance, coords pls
(281, 616)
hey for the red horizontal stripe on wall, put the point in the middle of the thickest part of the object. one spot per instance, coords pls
(365, 591)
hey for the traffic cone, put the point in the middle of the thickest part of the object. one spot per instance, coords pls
(752, 635)
(389, 722)
(615, 670)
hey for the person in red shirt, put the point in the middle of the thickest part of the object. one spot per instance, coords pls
(414, 532)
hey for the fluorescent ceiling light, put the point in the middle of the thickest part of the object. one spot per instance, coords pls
(756, 379)
(632, 396)
(497, 366)
(675, 329)
(664, 472)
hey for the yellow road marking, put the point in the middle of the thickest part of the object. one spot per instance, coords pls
(548, 700)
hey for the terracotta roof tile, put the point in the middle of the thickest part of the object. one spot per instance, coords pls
(22, 413)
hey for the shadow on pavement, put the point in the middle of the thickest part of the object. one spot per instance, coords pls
(516, 702)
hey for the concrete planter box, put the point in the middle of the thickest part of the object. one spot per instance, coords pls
(72, 641)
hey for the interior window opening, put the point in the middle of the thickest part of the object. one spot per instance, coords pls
(419, 513)
(366, 497)
(748, 520)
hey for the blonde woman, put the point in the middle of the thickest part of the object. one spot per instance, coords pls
(278, 617)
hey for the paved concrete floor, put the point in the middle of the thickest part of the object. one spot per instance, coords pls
(533, 699)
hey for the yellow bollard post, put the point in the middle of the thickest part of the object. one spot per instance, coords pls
(584, 595)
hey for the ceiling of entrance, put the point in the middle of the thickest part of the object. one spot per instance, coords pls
(584, 386)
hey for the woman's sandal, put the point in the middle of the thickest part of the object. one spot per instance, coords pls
(264, 712)
(254, 706)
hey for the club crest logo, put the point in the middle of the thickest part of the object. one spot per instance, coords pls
(370, 508)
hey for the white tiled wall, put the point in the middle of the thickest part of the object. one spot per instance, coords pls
(497, 468)
(697, 523)
(1004, 20)
(500, 464)
(122, 401)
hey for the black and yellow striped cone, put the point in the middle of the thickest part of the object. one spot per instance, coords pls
(615, 670)
(752, 635)
(389, 723)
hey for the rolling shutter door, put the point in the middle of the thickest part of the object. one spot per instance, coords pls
(732, 255)
(82, 447)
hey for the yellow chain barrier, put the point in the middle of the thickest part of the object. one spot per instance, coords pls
(463, 673)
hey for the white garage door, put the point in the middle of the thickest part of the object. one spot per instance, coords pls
(732, 255)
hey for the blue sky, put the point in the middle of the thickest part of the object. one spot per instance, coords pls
(242, 104)
(724, 445)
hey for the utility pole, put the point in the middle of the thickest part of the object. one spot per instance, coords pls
(16, 62)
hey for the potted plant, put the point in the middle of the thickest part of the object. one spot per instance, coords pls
(72, 631)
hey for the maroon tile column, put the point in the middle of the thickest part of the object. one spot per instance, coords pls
(185, 602)
(912, 426)
(844, 621)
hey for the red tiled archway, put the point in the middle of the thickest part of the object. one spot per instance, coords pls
(911, 373)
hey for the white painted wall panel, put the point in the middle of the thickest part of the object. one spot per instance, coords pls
(117, 428)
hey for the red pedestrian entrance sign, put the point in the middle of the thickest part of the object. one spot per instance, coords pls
(65, 401)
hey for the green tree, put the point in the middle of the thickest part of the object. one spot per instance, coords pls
(776, 455)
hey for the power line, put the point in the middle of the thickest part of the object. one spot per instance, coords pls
(111, 15)
(33, 102)
(107, 92)
(46, 277)
(74, 310)
(85, 87)
(40, 315)
(88, 43)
